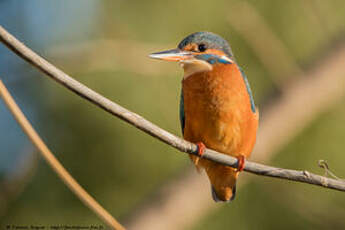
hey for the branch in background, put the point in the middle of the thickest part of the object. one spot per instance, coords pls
(153, 130)
(254, 29)
(281, 120)
(322, 20)
(54, 163)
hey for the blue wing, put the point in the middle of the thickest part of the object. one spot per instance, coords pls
(182, 117)
(248, 90)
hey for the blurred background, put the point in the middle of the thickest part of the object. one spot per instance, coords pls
(293, 54)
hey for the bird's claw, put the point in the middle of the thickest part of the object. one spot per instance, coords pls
(241, 160)
(201, 148)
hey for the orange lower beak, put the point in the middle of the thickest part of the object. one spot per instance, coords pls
(172, 55)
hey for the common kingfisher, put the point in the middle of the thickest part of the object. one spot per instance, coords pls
(217, 109)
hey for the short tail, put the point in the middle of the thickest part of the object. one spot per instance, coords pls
(223, 182)
(217, 199)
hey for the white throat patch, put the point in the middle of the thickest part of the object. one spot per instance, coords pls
(194, 66)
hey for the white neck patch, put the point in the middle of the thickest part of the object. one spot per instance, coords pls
(194, 66)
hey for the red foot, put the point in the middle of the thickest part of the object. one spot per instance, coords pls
(241, 160)
(201, 148)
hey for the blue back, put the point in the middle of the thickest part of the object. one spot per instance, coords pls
(252, 104)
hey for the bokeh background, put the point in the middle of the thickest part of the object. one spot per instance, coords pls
(292, 52)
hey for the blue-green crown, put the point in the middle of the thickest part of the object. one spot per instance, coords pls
(210, 40)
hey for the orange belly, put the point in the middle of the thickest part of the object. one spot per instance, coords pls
(218, 113)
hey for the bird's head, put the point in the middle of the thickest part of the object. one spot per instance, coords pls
(198, 52)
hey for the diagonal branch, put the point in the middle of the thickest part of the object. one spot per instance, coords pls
(54, 163)
(134, 119)
(283, 118)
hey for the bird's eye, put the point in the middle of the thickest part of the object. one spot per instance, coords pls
(202, 47)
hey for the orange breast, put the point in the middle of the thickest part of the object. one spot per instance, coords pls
(218, 111)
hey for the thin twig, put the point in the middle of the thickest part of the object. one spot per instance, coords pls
(324, 165)
(54, 163)
(153, 130)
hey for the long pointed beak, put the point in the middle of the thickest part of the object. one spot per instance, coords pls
(172, 55)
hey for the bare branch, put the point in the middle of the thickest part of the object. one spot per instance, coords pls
(153, 130)
(73, 185)
(324, 165)
(281, 120)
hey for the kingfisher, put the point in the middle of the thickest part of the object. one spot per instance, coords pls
(217, 109)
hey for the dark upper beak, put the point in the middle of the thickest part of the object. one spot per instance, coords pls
(172, 55)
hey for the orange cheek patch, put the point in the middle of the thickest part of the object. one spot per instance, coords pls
(216, 52)
(191, 47)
